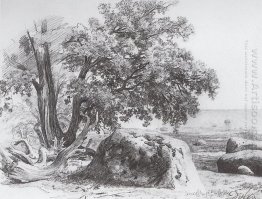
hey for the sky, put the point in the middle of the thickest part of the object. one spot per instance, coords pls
(222, 29)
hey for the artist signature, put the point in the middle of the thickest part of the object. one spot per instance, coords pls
(238, 194)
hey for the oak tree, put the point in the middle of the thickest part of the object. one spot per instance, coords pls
(127, 65)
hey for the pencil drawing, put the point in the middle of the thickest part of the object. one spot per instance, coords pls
(70, 89)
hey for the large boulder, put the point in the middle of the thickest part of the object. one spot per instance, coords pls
(150, 160)
(230, 162)
(245, 170)
(236, 144)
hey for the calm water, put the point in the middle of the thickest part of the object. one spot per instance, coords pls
(213, 119)
(205, 121)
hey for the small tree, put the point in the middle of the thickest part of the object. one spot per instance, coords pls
(128, 65)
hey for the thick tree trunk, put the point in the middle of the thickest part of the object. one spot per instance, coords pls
(46, 96)
(47, 99)
(18, 165)
(70, 135)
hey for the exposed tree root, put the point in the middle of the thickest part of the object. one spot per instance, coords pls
(28, 149)
(20, 155)
(19, 168)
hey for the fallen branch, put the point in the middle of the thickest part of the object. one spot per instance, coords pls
(23, 172)
(29, 149)
(20, 156)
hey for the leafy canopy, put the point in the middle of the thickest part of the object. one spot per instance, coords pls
(128, 64)
(135, 67)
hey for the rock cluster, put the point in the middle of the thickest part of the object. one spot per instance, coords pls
(242, 157)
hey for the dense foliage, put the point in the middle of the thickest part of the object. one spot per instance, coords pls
(128, 64)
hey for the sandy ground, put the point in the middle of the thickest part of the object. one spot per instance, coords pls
(218, 185)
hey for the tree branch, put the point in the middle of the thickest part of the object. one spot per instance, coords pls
(35, 53)
(37, 86)
(132, 76)
(58, 89)
(20, 156)
(88, 64)
(86, 67)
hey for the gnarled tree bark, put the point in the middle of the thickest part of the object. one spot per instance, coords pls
(22, 171)
(46, 96)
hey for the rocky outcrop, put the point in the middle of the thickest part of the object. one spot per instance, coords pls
(242, 156)
(230, 162)
(139, 159)
(239, 144)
